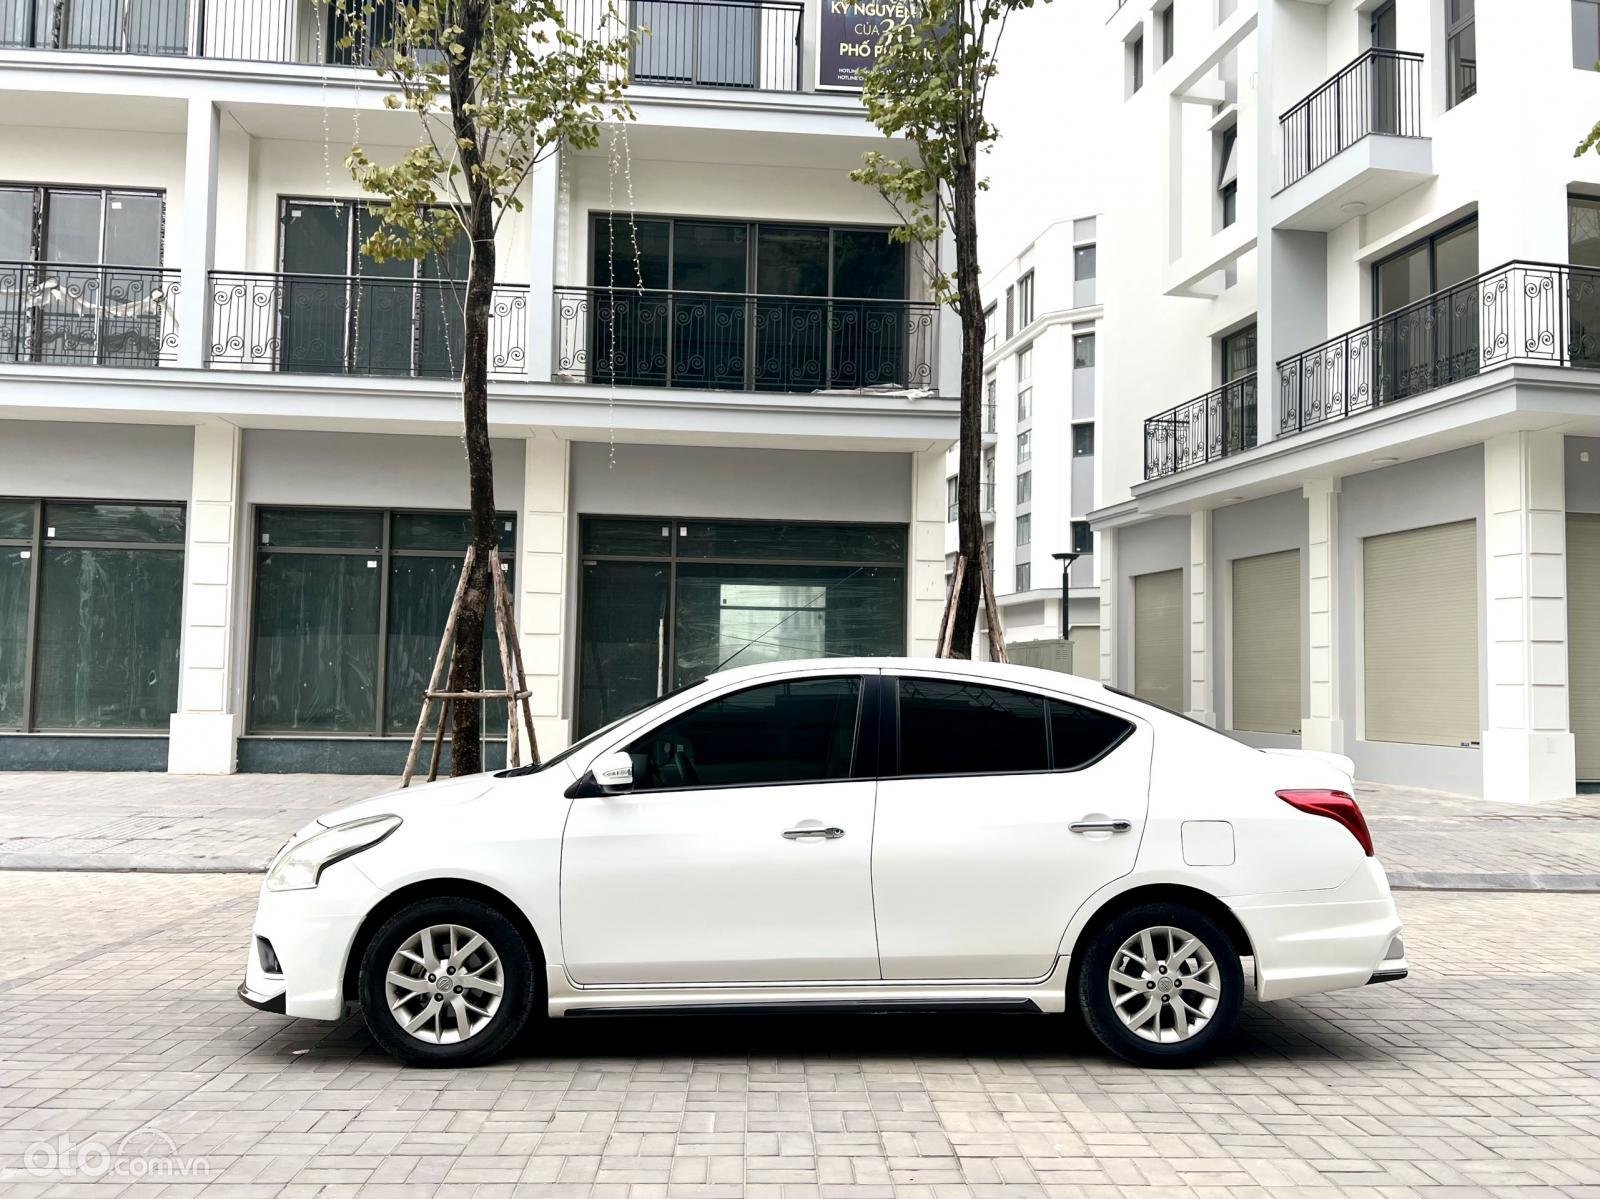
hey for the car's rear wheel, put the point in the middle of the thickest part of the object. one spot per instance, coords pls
(447, 982)
(1160, 984)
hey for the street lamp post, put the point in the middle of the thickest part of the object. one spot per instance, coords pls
(1066, 560)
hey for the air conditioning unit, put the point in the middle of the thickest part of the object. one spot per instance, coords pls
(1053, 654)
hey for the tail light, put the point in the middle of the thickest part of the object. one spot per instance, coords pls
(1335, 805)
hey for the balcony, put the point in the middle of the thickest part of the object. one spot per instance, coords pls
(985, 504)
(642, 337)
(87, 314)
(356, 325)
(1218, 424)
(756, 45)
(1521, 313)
(1355, 141)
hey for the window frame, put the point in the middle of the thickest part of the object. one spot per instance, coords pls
(1594, 7)
(1134, 49)
(1076, 451)
(1081, 339)
(1453, 31)
(1024, 446)
(1073, 529)
(1025, 300)
(1166, 24)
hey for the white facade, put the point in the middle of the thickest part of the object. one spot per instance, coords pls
(1412, 418)
(220, 424)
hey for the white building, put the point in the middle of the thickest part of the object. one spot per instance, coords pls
(1350, 465)
(231, 484)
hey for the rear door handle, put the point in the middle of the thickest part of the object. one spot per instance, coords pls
(1100, 826)
(814, 830)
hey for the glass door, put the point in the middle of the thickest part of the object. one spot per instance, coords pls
(1427, 302)
(1238, 401)
(1385, 71)
(1583, 286)
(314, 238)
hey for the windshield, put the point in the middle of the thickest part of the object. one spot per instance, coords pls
(536, 767)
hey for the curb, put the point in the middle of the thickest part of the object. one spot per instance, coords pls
(116, 863)
(1428, 880)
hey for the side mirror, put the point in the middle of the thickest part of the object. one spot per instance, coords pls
(613, 773)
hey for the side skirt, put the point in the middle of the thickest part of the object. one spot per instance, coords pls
(850, 1007)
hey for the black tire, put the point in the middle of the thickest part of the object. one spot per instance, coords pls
(1102, 946)
(518, 975)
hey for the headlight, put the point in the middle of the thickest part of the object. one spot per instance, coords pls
(301, 866)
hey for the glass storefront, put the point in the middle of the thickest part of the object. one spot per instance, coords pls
(665, 602)
(349, 605)
(91, 597)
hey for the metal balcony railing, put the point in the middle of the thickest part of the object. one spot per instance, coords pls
(1523, 312)
(985, 504)
(991, 417)
(356, 325)
(742, 342)
(751, 44)
(1201, 430)
(1380, 92)
(84, 313)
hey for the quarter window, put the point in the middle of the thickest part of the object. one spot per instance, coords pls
(796, 731)
(1082, 736)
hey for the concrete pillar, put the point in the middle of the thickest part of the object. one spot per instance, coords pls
(1528, 747)
(542, 622)
(544, 212)
(1105, 555)
(1323, 727)
(925, 603)
(198, 241)
(204, 731)
(1200, 704)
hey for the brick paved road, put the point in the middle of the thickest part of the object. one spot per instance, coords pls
(1481, 1074)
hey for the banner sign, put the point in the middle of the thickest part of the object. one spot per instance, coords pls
(848, 36)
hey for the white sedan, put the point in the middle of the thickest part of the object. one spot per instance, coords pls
(866, 835)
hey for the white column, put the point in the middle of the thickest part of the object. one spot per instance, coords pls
(1105, 555)
(542, 623)
(1200, 618)
(926, 599)
(199, 229)
(1324, 727)
(544, 214)
(1528, 747)
(204, 730)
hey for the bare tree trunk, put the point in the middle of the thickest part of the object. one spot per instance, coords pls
(466, 659)
(969, 520)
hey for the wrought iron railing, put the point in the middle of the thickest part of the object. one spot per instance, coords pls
(1523, 312)
(742, 342)
(1380, 92)
(752, 44)
(88, 314)
(356, 325)
(1201, 430)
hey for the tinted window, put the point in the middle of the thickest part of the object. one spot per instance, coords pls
(798, 731)
(1079, 736)
(964, 728)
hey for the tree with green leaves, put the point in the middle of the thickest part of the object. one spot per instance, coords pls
(497, 86)
(928, 86)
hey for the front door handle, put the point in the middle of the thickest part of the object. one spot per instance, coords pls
(1100, 826)
(807, 832)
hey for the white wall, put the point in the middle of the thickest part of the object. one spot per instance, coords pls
(68, 460)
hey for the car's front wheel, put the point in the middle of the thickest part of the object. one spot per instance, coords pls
(447, 982)
(1160, 984)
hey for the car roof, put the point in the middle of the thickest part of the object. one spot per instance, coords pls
(995, 672)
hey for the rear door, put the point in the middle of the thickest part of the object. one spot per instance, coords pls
(976, 869)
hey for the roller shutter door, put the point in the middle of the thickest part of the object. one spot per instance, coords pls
(1158, 638)
(1583, 638)
(1266, 643)
(1420, 607)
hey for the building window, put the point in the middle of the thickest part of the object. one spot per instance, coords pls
(1430, 333)
(1228, 175)
(1083, 440)
(1082, 537)
(990, 404)
(1083, 275)
(1024, 576)
(1024, 363)
(1083, 351)
(986, 482)
(952, 497)
(1136, 63)
(1025, 300)
(1025, 487)
(91, 597)
(348, 609)
(1461, 49)
(1586, 34)
(1024, 529)
(665, 602)
(79, 275)
(1024, 447)
(1226, 9)
(991, 331)
(1025, 404)
(1168, 33)
(1011, 312)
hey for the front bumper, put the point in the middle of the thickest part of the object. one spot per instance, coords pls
(1310, 941)
(311, 933)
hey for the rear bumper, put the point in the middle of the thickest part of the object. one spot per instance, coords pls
(1311, 941)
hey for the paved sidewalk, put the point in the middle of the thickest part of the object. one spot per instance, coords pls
(225, 824)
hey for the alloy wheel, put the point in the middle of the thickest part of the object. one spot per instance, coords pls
(444, 984)
(1164, 984)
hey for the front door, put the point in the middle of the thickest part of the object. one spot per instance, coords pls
(742, 854)
(976, 870)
